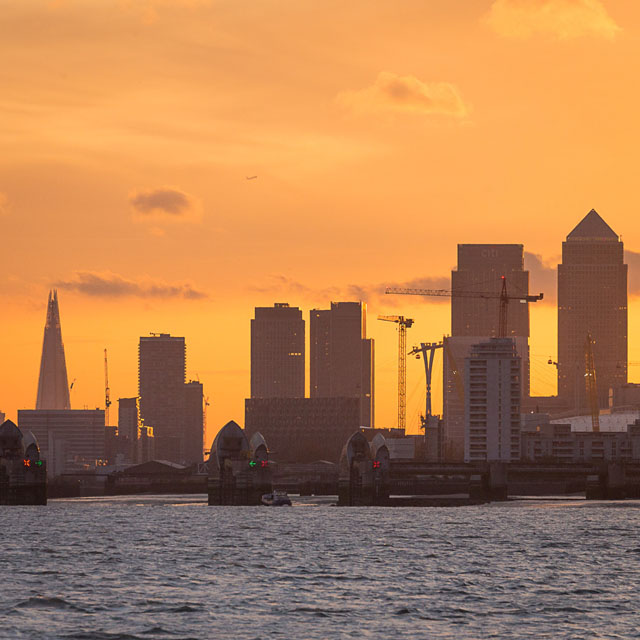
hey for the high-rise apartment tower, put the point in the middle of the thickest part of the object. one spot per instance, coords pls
(592, 299)
(166, 402)
(492, 403)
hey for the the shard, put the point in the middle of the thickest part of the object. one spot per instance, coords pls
(53, 385)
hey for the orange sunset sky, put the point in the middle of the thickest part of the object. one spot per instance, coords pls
(382, 134)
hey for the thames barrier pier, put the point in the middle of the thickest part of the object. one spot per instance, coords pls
(23, 476)
(239, 471)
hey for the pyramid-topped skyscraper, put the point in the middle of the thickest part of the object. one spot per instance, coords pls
(53, 385)
(592, 300)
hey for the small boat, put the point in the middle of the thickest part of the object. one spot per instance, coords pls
(276, 499)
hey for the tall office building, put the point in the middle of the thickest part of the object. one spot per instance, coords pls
(53, 385)
(480, 269)
(492, 402)
(277, 352)
(166, 402)
(342, 357)
(194, 421)
(129, 424)
(592, 299)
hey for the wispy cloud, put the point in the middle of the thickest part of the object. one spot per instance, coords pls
(561, 19)
(111, 285)
(392, 93)
(285, 286)
(169, 204)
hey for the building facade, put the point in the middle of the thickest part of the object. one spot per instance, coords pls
(68, 438)
(480, 269)
(53, 384)
(592, 300)
(341, 358)
(277, 352)
(557, 443)
(194, 421)
(303, 429)
(493, 373)
(170, 406)
(455, 352)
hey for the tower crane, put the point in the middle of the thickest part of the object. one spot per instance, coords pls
(107, 391)
(590, 383)
(403, 324)
(503, 296)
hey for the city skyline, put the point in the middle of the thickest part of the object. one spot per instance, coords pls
(128, 193)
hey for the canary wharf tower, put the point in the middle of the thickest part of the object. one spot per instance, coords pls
(53, 385)
(592, 300)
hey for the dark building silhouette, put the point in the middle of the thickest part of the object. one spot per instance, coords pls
(592, 299)
(53, 385)
(277, 352)
(68, 438)
(128, 425)
(341, 357)
(480, 269)
(168, 404)
(194, 421)
(303, 429)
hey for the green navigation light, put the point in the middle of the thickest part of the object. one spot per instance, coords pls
(252, 463)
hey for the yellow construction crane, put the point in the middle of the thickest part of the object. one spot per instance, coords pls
(590, 383)
(107, 391)
(403, 324)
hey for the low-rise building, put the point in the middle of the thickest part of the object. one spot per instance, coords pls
(557, 443)
(67, 437)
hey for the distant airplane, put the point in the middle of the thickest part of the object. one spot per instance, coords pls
(251, 177)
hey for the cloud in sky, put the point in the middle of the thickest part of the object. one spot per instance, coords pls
(392, 93)
(111, 285)
(562, 19)
(166, 203)
(284, 285)
(542, 276)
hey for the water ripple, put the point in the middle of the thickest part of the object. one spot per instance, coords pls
(144, 567)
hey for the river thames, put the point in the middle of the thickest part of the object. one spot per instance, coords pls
(170, 567)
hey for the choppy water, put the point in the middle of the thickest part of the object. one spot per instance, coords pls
(171, 567)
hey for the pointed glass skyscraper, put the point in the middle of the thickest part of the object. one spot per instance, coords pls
(53, 385)
(592, 299)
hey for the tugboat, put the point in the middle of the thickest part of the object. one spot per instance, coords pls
(276, 499)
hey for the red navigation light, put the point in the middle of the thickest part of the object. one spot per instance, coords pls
(264, 463)
(376, 464)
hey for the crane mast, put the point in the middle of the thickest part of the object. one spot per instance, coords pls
(107, 391)
(590, 383)
(403, 324)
